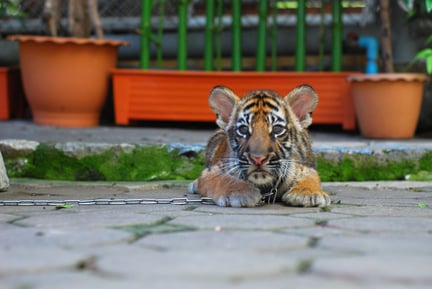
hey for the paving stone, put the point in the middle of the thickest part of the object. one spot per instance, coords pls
(263, 242)
(17, 147)
(385, 211)
(380, 244)
(407, 225)
(28, 259)
(6, 217)
(323, 215)
(409, 271)
(200, 263)
(243, 222)
(88, 218)
(317, 232)
(308, 281)
(61, 237)
(81, 150)
(272, 209)
(373, 197)
(68, 280)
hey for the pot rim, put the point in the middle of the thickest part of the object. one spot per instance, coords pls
(66, 40)
(388, 77)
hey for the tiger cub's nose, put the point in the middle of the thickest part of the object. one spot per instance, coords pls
(258, 160)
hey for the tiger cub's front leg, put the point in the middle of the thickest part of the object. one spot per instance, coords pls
(226, 191)
(306, 191)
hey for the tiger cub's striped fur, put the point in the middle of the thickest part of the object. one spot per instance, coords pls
(262, 145)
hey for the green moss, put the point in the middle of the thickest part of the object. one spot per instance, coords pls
(360, 167)
(425, 162)
(143, 163)
(148, 163)
(161, 226)
(420, 176)
(49, 163)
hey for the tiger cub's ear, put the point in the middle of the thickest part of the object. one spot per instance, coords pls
(222, 101)
(303, 100)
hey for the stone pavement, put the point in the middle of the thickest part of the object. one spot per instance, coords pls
(374, 235)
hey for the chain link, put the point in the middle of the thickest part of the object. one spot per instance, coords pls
(267, 198)
(145, 201)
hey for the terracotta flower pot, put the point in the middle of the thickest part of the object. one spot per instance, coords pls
(183, 95)
(387, 105)
(66, 79)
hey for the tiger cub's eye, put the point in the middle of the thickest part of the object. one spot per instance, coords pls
(278, 130)
(243, 130)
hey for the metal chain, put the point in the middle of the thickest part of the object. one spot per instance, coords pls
(146, 201)
(267, 198)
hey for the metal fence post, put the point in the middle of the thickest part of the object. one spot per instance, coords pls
(236, 35)
(219, 11)
(145, 33)
(336, 35)
(208, 48)
(182, 35)
(273, 33)
(261, 39)
(300, 53)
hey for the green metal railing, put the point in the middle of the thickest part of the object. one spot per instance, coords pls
(209, 28)
(336, 35)
(300, 52)
(214, 31)
(262, 35)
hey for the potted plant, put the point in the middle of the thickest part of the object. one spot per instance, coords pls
(66, 78)
(388, 104)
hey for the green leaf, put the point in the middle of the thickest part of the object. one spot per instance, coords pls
(338, 202)
(429, 65)
(61, 207)
(428, 5)
(428, 40)
(422, 205)
(407, 5)
(423, 54)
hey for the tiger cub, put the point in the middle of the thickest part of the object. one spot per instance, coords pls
(262, 146)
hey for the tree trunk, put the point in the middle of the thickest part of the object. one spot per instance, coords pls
(94, 15)
(51, 15)
(81, 15)
(386, 42)
(79, 18)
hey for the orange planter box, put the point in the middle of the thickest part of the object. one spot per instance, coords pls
(183, 95)
(4, 94)
(12, 99)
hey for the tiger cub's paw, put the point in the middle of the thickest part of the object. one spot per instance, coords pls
(248, 198)
(193, 187)
(306, 198)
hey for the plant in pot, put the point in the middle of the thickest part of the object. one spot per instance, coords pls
(387, 105)
(66, 79)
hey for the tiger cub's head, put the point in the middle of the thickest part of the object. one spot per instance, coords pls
(266, 132)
